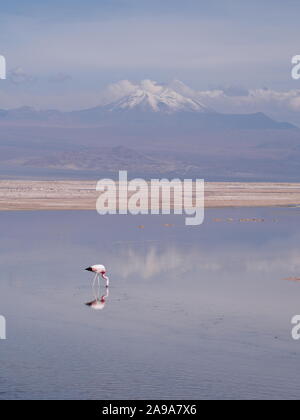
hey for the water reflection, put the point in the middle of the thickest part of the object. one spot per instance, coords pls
(99, 302)
(215, 259)
(204, 303)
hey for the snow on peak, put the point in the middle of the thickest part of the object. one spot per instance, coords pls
(151, 96)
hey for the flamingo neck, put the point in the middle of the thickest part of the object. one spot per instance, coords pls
(106, 278)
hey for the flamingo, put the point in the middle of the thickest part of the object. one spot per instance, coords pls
(99, 270)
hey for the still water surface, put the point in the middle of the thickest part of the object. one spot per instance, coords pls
(193, 312)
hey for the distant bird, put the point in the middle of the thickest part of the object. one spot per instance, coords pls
(99, 270)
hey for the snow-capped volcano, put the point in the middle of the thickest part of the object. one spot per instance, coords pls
(150, 96)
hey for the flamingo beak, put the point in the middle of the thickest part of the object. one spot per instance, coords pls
(88, 269)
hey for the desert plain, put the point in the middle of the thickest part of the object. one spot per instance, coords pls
(82, 195)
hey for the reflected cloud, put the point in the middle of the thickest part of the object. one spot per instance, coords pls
(156, 260)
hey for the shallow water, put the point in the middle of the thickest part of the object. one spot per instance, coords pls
(193, 312)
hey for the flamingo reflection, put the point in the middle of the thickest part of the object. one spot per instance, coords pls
(99, 302)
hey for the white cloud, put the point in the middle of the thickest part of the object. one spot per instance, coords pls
(241, 98)
(151, 86)
(265, 100)
(118, 90)
(281, 105)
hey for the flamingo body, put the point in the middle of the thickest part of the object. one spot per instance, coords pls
(98, 268)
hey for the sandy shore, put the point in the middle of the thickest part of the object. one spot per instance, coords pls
(82, 195)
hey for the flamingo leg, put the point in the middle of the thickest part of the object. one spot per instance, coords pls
(94, 281)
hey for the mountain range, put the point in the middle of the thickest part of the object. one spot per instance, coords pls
(149, 104)
(151, 130)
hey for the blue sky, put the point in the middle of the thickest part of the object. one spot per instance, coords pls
(95, 8)
(63, 53)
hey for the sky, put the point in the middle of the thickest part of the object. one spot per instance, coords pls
(63, 54)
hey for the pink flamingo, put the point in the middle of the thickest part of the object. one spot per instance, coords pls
(99, 270)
